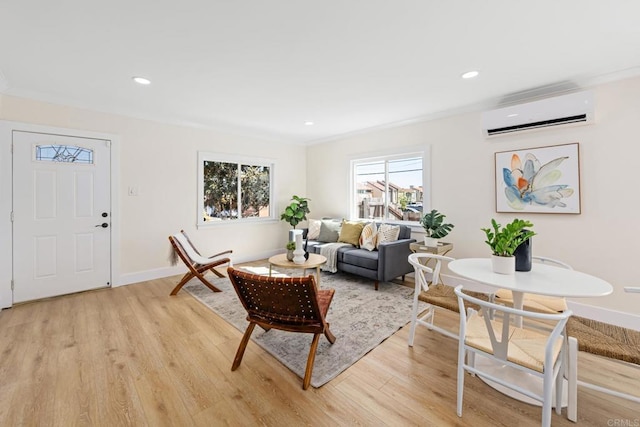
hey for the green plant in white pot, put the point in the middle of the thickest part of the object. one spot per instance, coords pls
(296, 211)
(435, 228)
(503, 242)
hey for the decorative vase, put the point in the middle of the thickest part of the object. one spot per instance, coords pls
(298, 253)
(431, 242)
(503, 264)
(289, 255)
(523, 255)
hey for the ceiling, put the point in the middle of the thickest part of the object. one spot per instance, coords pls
(265, 67)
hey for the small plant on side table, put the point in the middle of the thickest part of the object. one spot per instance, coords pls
(434, 227)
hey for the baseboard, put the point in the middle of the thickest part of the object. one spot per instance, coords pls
(143, 276)
(601, 314)
(159, 273)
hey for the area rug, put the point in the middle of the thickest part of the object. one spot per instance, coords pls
(360, 318)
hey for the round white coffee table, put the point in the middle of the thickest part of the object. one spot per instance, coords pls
(314, 262)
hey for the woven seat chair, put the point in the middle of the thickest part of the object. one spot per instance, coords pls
(428, 288)
(196, 263)
(605, 340)
(291, 304)
(536, 352)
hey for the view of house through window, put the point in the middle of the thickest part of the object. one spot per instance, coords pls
(388, 188)
(235, 190)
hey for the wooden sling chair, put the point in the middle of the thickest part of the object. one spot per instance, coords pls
(196, 263)
(291, 304)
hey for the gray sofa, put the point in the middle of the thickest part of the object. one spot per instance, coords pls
(389, 261)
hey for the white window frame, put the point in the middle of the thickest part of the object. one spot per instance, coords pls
(423, 151)
(206, 156)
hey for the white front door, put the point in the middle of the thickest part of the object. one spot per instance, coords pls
(61, 214)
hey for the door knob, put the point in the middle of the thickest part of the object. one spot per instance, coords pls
(103, 225)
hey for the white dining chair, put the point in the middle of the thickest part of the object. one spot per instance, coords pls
(540, 353)
(430, 289)
(546, 304)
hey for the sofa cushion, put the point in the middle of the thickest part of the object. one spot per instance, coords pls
(350, 232)
(343, 250)
(387, 233)
(361, 258)
(369, 236)
(329, 231)
(314, 247)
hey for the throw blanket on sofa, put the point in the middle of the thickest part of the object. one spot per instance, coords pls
(330, 251)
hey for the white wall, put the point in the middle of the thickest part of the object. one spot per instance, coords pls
(161, 160)
(602, 240)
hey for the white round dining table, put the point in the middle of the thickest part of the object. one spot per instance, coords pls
(543, 279)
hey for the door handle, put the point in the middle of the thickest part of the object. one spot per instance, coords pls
(103, 225)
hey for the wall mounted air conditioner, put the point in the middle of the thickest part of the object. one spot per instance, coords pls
(560, 110)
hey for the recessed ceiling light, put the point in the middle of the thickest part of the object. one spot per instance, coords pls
(512, 115)
(308, 123)
(141, 80)
(470, 74)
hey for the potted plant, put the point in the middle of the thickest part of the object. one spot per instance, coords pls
(290, 247)
(296, 211)
(434, 227)
(503, 242)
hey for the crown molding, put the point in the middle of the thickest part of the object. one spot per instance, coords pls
(579, 83)
(133, 114)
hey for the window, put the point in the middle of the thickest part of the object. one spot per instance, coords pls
(389, 188)
(234, 189)
(64, 154)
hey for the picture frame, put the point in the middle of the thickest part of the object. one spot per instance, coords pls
(538, 180)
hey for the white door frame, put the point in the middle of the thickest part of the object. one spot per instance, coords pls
(6, 200)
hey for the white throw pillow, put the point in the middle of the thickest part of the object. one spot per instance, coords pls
(314, 229)
(387, 233)
(369, 236)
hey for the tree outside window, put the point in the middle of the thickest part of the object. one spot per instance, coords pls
(256, 186)
(235, 190)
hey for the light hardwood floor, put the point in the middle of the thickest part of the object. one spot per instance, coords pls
(133, 355)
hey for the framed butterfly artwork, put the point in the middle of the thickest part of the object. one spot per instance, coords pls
(539, 180)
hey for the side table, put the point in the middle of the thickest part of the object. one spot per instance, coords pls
(442, 249)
